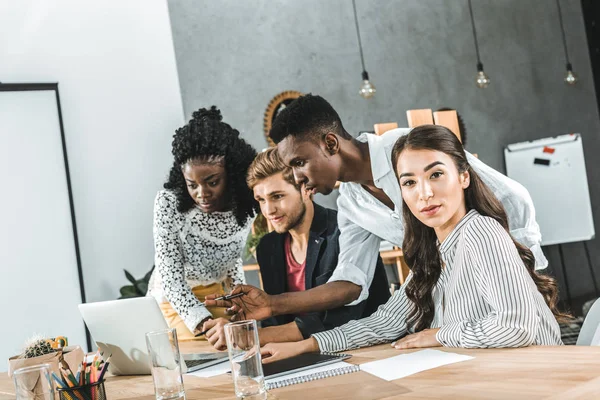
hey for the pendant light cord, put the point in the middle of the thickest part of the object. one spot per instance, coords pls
(474, 33)
(362, 59)
(562, 30)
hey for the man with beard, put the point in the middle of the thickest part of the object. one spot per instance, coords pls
(312, 140)
(301, 253)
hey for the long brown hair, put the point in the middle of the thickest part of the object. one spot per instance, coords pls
(420, 248)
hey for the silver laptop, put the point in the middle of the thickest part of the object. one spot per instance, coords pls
(119, 328)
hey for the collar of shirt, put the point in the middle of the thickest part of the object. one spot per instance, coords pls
(354, 200)
(380, 165)
(380, 152)
(450, 243)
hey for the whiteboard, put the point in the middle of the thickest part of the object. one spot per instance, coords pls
(39, 288)
(553, 170)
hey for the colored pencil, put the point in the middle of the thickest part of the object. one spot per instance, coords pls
(82, 377)
(69, 378)
(95, 366)
(59, 382)
(78, 374)
(104, 369)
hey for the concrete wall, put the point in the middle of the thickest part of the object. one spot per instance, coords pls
(420, 54)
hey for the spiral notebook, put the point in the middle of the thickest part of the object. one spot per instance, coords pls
(305, 368)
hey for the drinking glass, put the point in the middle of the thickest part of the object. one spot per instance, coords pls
(34, 383)
(246, 365)
(165, 363)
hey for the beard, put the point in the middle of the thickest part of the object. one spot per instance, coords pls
(294, 219)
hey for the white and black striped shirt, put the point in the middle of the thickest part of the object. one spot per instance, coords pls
(484, 298)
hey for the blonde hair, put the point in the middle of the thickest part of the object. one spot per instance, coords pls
(266, 164)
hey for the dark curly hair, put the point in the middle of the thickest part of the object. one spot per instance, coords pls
(204, 138)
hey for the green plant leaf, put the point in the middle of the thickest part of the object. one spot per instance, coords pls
(128, 290)
(128, 297)
(148, 275)
(130, 277)
(252, 242)
(141, 287)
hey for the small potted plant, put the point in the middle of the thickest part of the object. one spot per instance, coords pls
(138, 287)
(41, 350)
(260, 228)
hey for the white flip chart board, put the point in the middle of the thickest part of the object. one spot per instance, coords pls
(39, 288)
(553, 170)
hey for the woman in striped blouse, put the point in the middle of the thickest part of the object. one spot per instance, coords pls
(471, 284)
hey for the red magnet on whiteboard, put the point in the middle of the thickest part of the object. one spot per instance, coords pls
(550, 150)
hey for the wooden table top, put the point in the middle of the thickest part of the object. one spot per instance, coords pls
(558, 372)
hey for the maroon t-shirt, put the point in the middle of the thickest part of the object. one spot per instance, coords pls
(295, 271)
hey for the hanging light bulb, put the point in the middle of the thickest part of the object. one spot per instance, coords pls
(367, 89)
(571, 77)
(481, 80)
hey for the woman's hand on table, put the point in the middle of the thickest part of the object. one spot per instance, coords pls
(278, 351)
(215, 333)
(424, 338)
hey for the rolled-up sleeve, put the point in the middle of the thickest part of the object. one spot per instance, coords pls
(359, 249)
(310, 323)
(518, 206)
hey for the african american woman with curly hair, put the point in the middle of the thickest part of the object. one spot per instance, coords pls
(201, 220)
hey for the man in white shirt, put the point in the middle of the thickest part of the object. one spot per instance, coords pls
(311, 139)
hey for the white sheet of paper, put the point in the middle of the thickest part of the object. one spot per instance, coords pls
(213, 370)
(408, 364)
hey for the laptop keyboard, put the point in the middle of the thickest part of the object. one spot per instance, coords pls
(193, 363)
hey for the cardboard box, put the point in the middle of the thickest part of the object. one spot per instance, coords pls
(72, 355)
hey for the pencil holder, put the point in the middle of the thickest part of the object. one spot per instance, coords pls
(93, 391)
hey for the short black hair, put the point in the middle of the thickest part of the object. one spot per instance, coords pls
(308, 116)
(207, 137)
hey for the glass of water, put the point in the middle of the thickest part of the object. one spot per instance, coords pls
(246, 364)
(165, 363)
(34, 383)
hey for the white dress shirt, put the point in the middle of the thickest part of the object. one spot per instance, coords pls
(364, 221)
(483, 298)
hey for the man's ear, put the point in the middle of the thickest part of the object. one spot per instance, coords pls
(306, 195)
(332, 143)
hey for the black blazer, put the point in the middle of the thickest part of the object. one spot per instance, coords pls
(321, 261)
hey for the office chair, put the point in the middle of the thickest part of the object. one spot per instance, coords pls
(590, 331)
